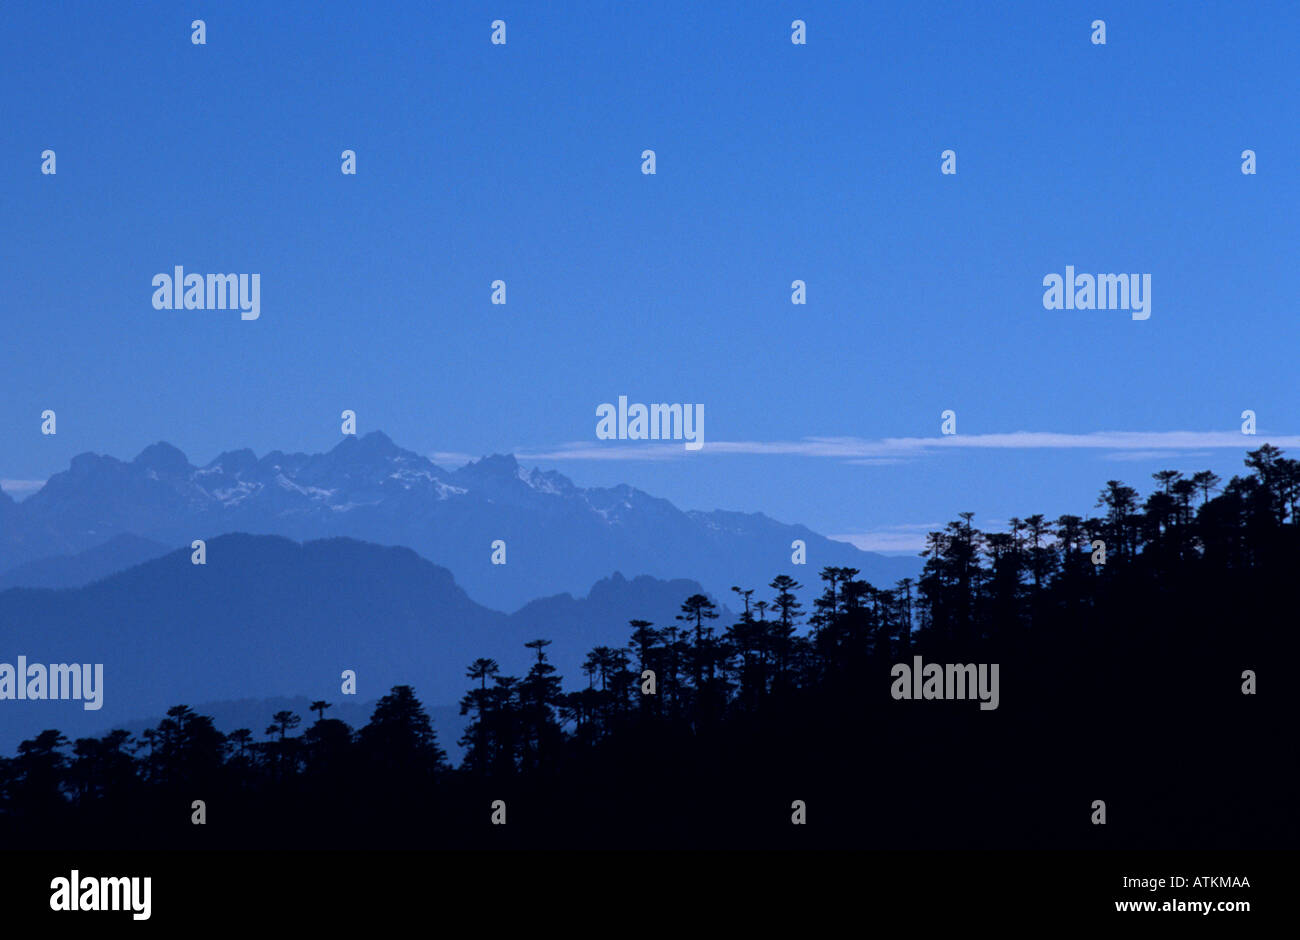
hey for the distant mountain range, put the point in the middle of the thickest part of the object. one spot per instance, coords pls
(266, 617)
(64, 571)
(559, 537)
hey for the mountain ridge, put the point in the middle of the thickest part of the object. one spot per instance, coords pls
(270, 617)
(558, 536)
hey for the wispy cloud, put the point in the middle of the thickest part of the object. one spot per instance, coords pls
(450, 458)
(1124, 445)
(613, 451)
(21, 487)
(1157, 454)
(893, 538)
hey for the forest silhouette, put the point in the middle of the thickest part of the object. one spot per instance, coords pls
(1121, 682)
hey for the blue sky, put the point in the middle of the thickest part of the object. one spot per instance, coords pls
(775, 162)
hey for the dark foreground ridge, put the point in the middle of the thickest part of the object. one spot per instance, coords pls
(1153, 683)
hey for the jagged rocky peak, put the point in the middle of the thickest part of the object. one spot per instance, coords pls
(373, 450)
(87, 463)
(373, 443)
(550, 481)
(234, 462)
(497, 466)
(163, 458)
